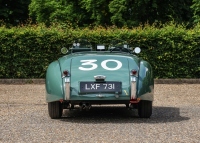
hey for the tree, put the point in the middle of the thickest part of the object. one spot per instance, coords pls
(41, 10)
(14, 11)
(120, 12)
(196, 11)
(48, 11)
(111, 12)
(134, 12)
(97, 11)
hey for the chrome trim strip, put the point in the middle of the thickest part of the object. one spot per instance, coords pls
(67, 79)
(133, 78)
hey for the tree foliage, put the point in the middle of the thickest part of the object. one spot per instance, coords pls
(196, 11)
(14, 11)
(97, 11)
(134, 12)
(100, 12)
(111, 12)
(48, 11)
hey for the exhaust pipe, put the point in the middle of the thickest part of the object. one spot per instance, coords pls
(88, 106)
(84, 106)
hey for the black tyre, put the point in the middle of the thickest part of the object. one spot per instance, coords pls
(55, 109)
(144, 109)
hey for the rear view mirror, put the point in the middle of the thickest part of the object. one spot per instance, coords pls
(137, 50)
(64, 50)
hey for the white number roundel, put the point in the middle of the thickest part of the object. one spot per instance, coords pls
(93, 65)
(119, 65)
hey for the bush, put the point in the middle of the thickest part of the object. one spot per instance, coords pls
(172, 50)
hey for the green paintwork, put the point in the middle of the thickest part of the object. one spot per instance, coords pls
(53, 83)
(116, 75)
(145, 87)
(72, 62)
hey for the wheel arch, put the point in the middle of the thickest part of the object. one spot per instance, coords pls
(54, 83)
(145, 82)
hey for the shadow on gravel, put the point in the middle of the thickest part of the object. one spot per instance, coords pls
(121, 115)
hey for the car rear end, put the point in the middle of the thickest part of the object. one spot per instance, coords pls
(99, 78)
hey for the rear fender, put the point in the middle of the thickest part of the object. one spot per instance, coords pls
(146, 82)
(53, 83)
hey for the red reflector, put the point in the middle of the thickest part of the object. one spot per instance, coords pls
(136, 100)
(133, 72)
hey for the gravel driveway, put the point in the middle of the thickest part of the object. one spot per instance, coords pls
(175, 118)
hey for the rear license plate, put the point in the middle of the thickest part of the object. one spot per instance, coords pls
(92, 87)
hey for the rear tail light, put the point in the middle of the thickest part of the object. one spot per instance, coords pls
(133, 72)
(66, 73)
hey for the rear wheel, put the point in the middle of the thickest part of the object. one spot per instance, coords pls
(55, 109)
(144, 109)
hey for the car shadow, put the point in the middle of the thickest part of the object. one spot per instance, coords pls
(122, 115)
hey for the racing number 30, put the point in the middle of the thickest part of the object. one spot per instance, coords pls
(103, 64)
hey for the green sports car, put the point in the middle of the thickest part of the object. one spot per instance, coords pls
(90, 74)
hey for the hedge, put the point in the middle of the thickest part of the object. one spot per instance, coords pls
(172, 50)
